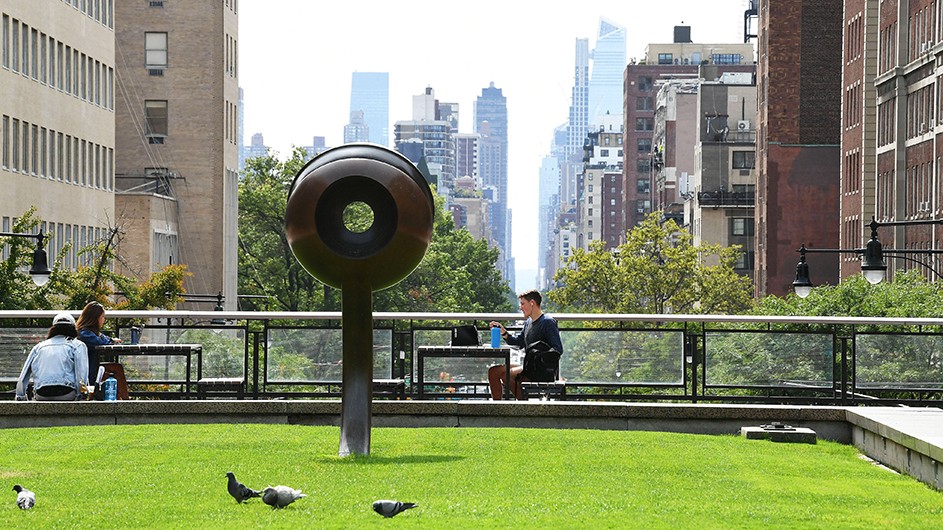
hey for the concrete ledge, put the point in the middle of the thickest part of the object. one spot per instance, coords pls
(909, 440)
(829, 422)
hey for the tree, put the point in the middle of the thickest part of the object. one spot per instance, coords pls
(267, 267)
(657, 270)
(73, 289)
(458, 272)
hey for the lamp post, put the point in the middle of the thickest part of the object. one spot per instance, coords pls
(39, 272)
(873, 265)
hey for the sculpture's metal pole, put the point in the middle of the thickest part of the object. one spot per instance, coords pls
(357, 394)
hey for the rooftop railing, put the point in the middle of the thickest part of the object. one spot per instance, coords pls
(681, 358)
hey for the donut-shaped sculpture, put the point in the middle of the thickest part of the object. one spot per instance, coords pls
(359, 259)
(387, 183)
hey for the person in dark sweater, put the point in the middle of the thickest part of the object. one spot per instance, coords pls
(90, 332)
(538, 326)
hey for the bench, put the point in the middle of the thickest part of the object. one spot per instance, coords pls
(220, 386)
(382, 388)
(542, 390)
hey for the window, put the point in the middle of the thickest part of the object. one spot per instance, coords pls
(16, 45)
(744, 159)
(165, 249)
(6, 41)
(644, 124)
(155, 50)
(665, 58)
(643, 166)
(725, 58)
(6, 141)
(155, 117)
(15, 144)
(603, 152)
(643, 186)
(741, 226)
(644, 103)
(644, 145)
(644, 83)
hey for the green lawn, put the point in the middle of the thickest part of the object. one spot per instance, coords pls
(173, 476)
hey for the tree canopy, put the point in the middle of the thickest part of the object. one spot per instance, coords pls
(909, 295)
(657, 270)
(458, 272)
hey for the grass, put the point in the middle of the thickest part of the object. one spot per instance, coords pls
(172, 476)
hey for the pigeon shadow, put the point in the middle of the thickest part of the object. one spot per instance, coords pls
(388, 460)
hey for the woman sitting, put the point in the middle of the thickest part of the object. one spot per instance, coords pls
(58, 365)
(90, 332)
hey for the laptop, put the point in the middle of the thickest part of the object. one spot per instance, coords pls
(465, 336)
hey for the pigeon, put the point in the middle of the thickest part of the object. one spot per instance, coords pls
(25, 498)
(239, 491)
(280, 496)
(391, 508)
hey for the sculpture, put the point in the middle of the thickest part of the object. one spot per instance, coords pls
(359, 259)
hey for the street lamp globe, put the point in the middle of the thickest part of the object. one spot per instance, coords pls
(872, 265)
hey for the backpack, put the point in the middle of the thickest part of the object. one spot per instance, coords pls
(541, 362)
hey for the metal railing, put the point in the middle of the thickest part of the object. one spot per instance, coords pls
(683, 358)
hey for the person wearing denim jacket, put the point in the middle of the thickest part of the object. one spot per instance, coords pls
(58, 365)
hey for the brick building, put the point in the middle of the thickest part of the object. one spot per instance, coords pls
(798, 139)
(679, 59)
(176, 145)
(905, 41)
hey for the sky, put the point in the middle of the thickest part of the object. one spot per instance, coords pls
(296, 58)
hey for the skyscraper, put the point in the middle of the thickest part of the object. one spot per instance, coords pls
(605, 83)
(577, 124)
(428, 138)
(356, 129)
(370, 93)
(491, 122)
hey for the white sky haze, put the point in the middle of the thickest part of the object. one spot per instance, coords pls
(296, 58)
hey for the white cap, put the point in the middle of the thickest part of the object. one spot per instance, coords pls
(63, 318)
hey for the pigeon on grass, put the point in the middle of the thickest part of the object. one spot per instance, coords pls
(240, 491)
(391, 508)
(25, 498)
(280, 496)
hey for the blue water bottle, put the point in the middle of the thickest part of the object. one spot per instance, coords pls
(496, 337)
(111, 389)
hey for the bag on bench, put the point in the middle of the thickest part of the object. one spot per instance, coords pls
(541, 362)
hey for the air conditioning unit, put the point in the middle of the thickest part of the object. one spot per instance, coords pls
(743, 125)
(923, 47)
(923, 206)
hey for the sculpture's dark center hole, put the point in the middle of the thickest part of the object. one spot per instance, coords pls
(358, 217)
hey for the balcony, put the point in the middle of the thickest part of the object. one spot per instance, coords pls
(720, 198)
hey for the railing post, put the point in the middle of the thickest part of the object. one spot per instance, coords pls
(843, 395)
(255, 364)
(691, 359)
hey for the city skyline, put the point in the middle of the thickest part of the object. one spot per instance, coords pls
(289, 101)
